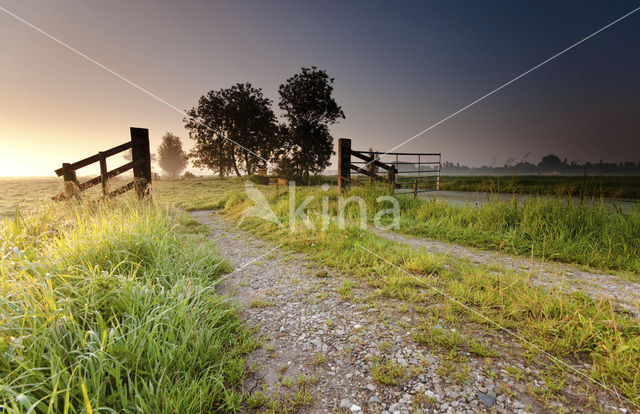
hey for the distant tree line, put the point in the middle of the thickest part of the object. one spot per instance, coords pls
(550, 164)
(236, 131)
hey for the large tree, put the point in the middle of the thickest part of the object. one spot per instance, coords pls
(306, 144)
(172, 158)
(207, 126)
(234, 128)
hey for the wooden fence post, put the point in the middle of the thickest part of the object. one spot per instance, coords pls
(415, 188)
(344, 163)
(392, 174)
(371, 168)
(103, 173)
(140, 151)
(70, 181)
(439, 169)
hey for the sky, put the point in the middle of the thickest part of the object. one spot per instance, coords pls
(399, 67)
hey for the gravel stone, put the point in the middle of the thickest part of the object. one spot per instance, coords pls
(486, 399)
(308, 329)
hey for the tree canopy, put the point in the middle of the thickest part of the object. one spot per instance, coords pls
(172, 158)
(306, 144)
(234, 129)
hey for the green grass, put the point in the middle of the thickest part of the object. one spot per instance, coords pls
(194, 194)
(110, 308)
(578, 186)
(388, 372)
(563, 324)
(566, 325)
(29, 194)
(25, 193)
(595, 235)
(561, 230)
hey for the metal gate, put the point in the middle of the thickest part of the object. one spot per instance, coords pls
(406, 172)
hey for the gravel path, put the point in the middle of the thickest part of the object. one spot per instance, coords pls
(344, 347)
(623, 293)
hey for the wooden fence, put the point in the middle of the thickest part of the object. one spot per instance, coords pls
(140, 163)
(420, 174)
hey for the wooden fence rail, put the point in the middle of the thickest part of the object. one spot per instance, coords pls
(140, 163)
(370, 163)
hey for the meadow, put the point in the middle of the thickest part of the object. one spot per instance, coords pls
(569, 325)
(113, 304)
(563, 230)
(29, 194)
(623, 187)
(26, 192)
(580, 187)
(594, 235)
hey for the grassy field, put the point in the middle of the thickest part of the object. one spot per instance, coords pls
(553, 229)
(565, 325)
(595, 236)
(561, 230)
(112, 308)
(588, 187)
(29, 194)
(92, 282)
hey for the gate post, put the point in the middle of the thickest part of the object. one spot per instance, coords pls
(103, 173)
(70, 181)
(344, 163)
(140, 151)
(439, 169)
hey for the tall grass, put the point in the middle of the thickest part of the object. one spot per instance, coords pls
(626, 187)
(110, 308)
(563, 324)
(595, 235)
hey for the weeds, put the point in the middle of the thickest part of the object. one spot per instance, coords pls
(111, 306)
(558, 322)
(388, 372)
(318, 359)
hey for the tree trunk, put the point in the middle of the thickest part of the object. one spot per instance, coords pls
(235, 164)
(248, 163)
(221, 157)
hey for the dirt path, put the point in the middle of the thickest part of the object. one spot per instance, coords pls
(623, 293)
(327, 351)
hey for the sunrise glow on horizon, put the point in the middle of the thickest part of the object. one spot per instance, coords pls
(397, 71)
